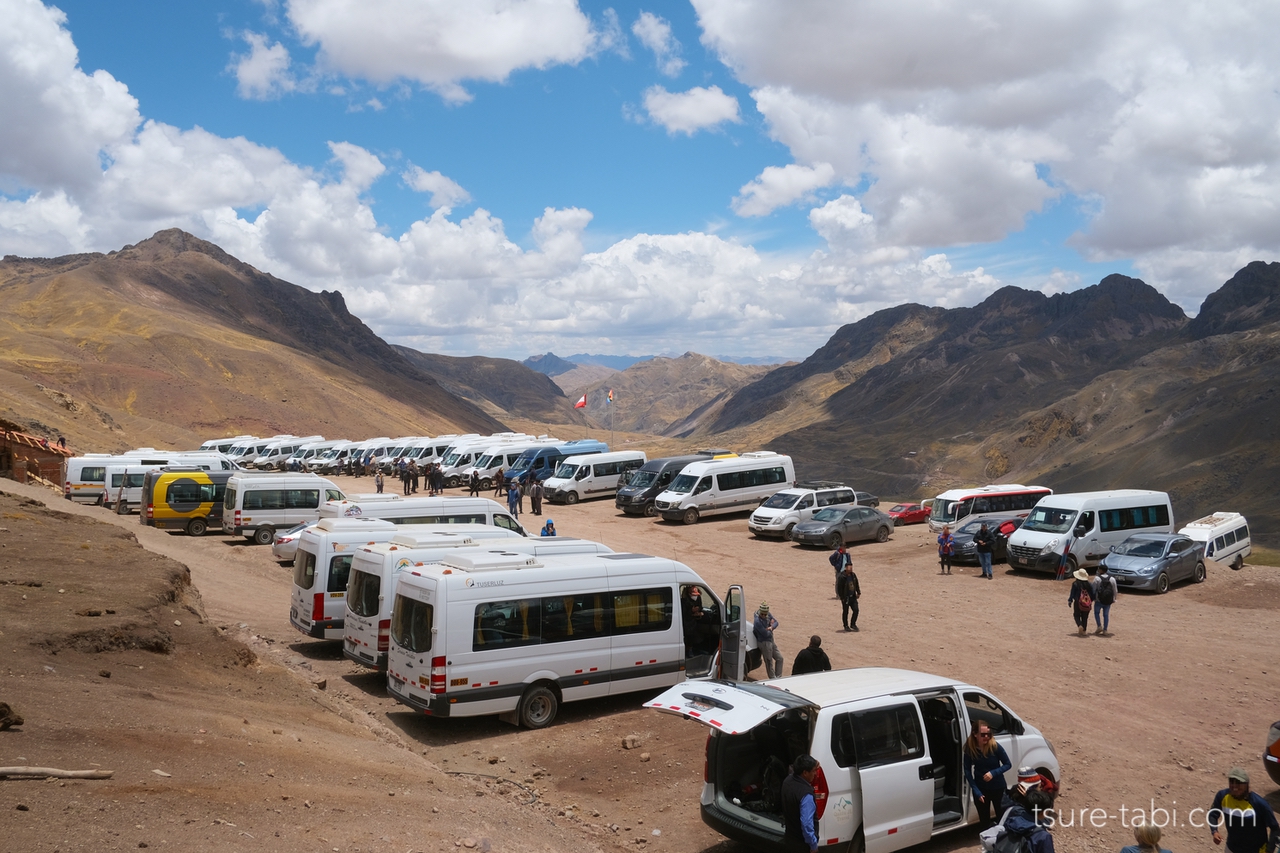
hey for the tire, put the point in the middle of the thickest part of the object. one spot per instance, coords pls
(101, 501)
(197, 527)
(451, 483)
(834, 541)
(786, 534)
(538, 707)
(1199, 575)
(1072, 565)
(1238, 563)
(571, 498)
(486, 484)
(122, 507)
(690, 516)
(1162, 583)
(264, 535)
(858, 844)
(650, 511)
(882, 535)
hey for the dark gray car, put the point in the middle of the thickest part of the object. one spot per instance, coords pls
(834, 525)
(1155, 560)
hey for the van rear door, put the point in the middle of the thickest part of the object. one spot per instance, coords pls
(734, 633)
(725, 706)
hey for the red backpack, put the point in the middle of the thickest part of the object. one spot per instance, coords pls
(1084, 600)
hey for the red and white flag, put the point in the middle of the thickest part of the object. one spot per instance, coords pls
(582, 402)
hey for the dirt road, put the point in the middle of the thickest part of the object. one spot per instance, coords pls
(1185, 687)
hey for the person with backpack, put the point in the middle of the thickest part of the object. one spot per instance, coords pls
(1025, 826)
(946, 549)
(848, 591)
(1104, 595)
(1080, 600)
(840, 558)
(985, 763)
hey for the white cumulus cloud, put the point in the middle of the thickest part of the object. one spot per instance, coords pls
(655, 33)
(442, 43)
(263, 72)
(444, 191)
(688, 112)
(778, 186)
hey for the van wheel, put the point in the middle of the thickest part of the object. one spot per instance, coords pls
(538, 707)
(571, 498)
(122, 507)
(451, 483)
(1072, 565)
(101, 501)
(264, 535)
(858, 844)
(882, 535)
(486, 484)
(1162, 583)
(196, 527)
(690, 516)
(1238, 563)
(650, 510)
(786, 534)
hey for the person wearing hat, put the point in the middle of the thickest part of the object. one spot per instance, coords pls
(549, 529)
(1080, 600)
(1246, 819)
(763, 627)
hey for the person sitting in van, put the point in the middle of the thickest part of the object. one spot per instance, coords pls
(549, 529)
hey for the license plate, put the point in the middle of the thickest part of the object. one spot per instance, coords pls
(1022, 561)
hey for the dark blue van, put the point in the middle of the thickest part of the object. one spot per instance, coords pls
(543, 460)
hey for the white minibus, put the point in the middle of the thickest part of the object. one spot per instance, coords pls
(718, 486)
(594, 476)
(516, 635)
(277, 453)
(443, 509)
(1082, 527)
(222, 445)
(957, 507)
(1225, 536)
(462, 455)
(500, 457)
(320, 569)
(86, 477)
(256, 505)
(375, 569)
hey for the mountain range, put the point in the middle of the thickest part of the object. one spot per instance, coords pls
(172, 340)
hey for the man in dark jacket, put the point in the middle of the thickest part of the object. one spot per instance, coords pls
(983, 542)
(1247, 818)
(811, 658)
(849, 591)
(798, 807)
(1029, 821)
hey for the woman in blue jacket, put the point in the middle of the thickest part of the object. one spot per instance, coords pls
(985, 763)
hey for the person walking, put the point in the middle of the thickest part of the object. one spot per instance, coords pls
(498, 481)
(799, 811)
(811, 658)
(1245, 818)
(536, 492)
(377, 481)
(413, 475)
(1104, 595)
(513, 499)
(763, 627)
(839, 559)
(1080, 600)
(985, 763)
(848, 590)
(984, 542)
(946, 549)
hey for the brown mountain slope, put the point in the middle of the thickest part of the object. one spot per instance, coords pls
(668, 396)
(172, 340)
(501, 386)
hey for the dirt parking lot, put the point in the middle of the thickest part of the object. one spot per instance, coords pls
(265, 740)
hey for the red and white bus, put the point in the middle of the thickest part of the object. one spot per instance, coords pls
(956, 506)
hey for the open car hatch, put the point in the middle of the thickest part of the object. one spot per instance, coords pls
(728, 707)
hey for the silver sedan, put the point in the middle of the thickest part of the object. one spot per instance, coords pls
(834, 525)
(1155, 560)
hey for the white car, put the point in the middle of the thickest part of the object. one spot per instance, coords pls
(285, 546)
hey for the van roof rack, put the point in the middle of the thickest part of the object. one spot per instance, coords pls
(822, 484)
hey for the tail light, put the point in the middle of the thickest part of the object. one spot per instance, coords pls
(706, 760)
(384, 634)
(317, 607)
(237, 518)
(820, 791)
(437, 675)
(151, 510)
(66, 490)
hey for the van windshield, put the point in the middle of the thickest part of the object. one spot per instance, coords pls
(566, 471)
(451, 459)
(683, 484)
(486, 461)
(1047, 519)
(781, 500)
(643, 479)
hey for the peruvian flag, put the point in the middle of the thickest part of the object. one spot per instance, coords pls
(582, 402)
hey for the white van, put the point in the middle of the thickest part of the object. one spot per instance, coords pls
(330, 460)
(375, 569)
(1084, 526)
(779, 515)
(86, 477)
(888, 742)
(321, 566)
(222, 445)
(442, 509)
(1225, 536)
(462, 455)
(256, 505)
(593, 476)
(298, 460)
(516, 635)
(278, 452)
(720, 486)
(500, 457)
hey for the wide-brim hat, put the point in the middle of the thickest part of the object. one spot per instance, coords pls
(1080, 575)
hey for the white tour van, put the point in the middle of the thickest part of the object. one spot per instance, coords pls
(441, 509)
(889, 745)
(593, 476)
(500, 457)
(321, 565)
(462, 455)
(718, 486)
(516, 635)
(256, 505)
(86, 477)
(375, 569)
(1225, 536)
(222, 445)
(1084, 526)
(277, 453)
(779, 515)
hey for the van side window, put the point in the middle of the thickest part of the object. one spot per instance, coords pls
(302, 498)
(1229, 537)
(704, 485)
(264, 499)
(304, 569)
(506, 522)
(877, 737)
(1242, 532)
(333, 495)
(507, 624)
(805, 502)
(1086, 520)
(638, 611)
(984, 708)
(1133, 518)
(339, 572)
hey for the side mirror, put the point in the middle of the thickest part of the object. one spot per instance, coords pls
(1079, 532)
(1112, 549)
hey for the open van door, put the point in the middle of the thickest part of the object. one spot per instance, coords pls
(734, 631)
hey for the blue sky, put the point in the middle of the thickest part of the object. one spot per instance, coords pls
(735, 177)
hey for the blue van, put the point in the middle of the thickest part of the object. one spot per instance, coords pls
(543, 460)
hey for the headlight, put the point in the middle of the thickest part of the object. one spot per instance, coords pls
(1052, 546)
(1149, 569)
